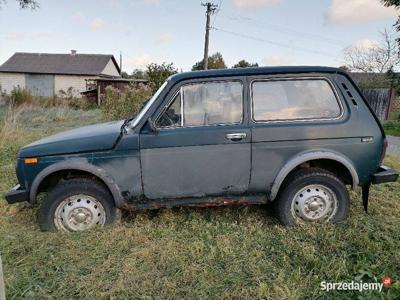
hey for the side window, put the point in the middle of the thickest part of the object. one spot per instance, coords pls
(203, 104)
(297, 99)
(212, 103)
(172, 116)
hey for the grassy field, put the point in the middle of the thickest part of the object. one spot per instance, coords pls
(228, 253)
(392, 127)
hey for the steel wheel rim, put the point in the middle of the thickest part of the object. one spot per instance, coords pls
(314, 203)
(78, 213)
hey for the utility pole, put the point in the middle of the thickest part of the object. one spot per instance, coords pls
(120, 62)
(210, 9)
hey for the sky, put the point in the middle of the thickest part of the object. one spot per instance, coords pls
(269, 32)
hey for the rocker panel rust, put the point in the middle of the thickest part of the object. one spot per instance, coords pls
(197, 202)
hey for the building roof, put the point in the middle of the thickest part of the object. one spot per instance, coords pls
(254, 71)
(105, 79)
(67, 64)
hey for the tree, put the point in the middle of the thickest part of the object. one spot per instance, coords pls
(136, 74)
(245, 64)
(215, 61)
(344, 68)
(396, 5)
(32, 4)
(377, 57)
(125, 75)
(157, 74)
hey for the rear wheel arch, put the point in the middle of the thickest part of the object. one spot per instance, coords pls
(312, 195)
(327, 160)
(74, 169)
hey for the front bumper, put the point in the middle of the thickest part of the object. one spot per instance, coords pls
(384, 174)
(17, 194)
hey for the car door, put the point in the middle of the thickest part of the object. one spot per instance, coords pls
(202, 144)
(293, 114)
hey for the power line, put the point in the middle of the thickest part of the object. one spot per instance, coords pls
(287, 30)
(272, 42)
(218, 10)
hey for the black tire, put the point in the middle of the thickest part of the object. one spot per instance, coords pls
(73, 187)
(303, 178)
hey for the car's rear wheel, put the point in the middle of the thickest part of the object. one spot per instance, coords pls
(77, 205)
(312, 195)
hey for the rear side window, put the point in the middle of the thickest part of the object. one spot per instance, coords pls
(294, 99)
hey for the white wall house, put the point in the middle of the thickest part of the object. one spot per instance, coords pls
(48, 75)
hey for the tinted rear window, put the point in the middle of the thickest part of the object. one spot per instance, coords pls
(294, 99)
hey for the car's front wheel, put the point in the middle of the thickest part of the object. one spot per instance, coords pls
(77, 205)
(312, 195)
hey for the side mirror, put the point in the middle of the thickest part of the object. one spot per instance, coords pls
(152, 126)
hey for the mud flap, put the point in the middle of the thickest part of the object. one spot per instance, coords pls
(365, 194)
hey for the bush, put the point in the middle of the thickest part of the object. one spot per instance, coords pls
(68, 98)
(81, 103)
(19, 96)
(73, 103)
(117, 104)
(392, 127)
(158, 74)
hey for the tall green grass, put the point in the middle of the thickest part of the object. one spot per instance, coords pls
(392, 127)
(22, 96)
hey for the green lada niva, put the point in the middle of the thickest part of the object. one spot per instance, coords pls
(293, 136)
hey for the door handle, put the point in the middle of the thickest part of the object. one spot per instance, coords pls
(236, 136)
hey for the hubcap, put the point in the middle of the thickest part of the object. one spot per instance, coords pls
(314, 203)
(79, 212)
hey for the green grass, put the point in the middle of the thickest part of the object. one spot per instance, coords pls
(240, 253)
(394, 115)
(392, 128)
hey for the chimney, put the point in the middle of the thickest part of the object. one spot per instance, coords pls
(73, 52)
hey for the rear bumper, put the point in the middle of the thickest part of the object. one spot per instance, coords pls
(384, 174)
(17, 194)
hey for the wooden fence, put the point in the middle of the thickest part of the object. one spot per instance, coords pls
(379, 100)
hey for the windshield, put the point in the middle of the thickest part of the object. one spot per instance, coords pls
(149, 103)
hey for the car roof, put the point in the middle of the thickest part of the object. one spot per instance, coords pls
(253, 71)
